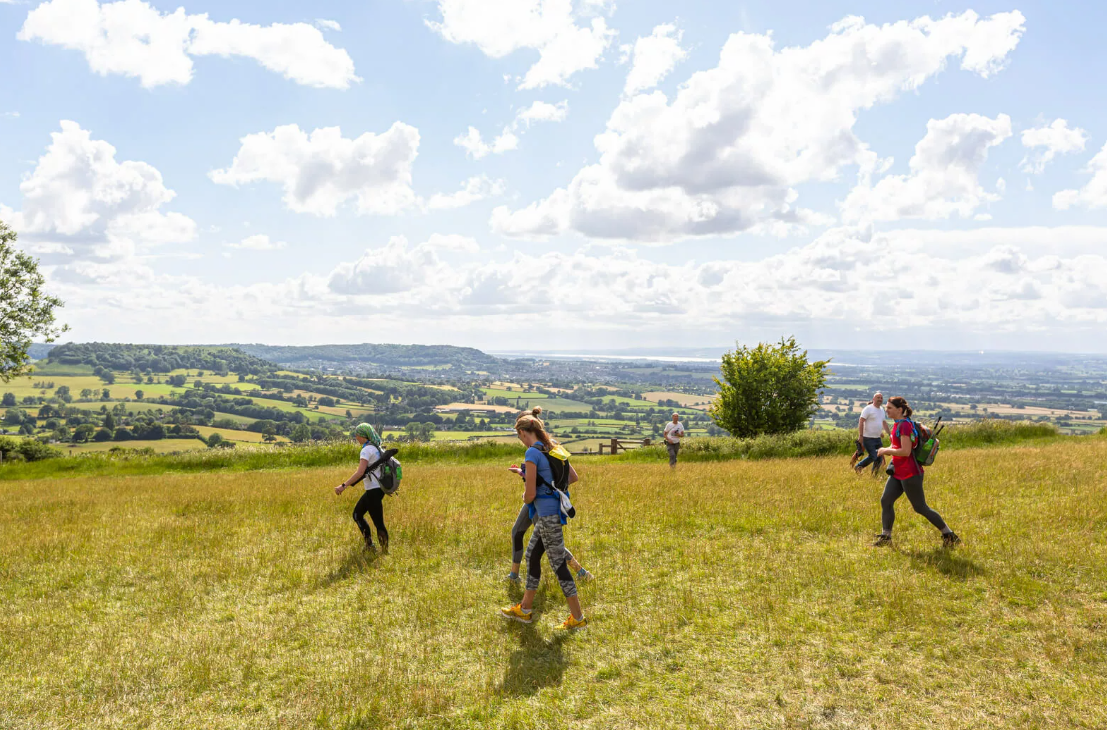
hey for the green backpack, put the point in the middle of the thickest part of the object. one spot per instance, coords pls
(926, 442)
(391, 471)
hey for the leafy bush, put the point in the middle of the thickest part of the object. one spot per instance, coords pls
(26, 450)
(768, 389)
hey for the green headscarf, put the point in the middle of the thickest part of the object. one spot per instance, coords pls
(366, 431)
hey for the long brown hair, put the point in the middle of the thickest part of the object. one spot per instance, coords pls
(531, 423)
(901, 402)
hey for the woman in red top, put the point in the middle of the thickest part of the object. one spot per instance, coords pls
(906, 477)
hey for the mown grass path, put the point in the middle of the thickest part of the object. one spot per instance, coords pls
(731, 594)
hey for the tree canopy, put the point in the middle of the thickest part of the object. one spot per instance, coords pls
(768, 389)
(26, 310)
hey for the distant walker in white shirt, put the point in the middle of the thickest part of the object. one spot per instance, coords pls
(674, 432)
(872, 423)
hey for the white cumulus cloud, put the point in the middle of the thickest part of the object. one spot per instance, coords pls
(81, 199)
(944, 178)
(725, 154)
(501, 27)
(259, 242)
(1048, 142)
(472, 190)
(1092, 195)
(134, 39)
(322, 170)
(653, 58)
(540, 111)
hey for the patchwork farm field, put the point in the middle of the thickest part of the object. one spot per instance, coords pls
(735, 594)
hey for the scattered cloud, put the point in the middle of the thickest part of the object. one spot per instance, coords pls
(540, 111)
(476, 148)
(11, 115)
(132, 38)
(944, 178)
(501, 27)
(259, 242)
(726, 153)
(472, 190)
(321, 171)
(324, 24)
(1092, 195)
(654, 57)
(80, 199)
(1048, 142)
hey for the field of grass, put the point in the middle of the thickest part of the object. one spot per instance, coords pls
(731, 594)
(249, 437)
(160, 446)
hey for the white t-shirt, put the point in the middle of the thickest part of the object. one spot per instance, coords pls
(371, 453)
(673, 432)
(874, 421)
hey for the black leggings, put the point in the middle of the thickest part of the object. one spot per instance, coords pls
(913, 488)
(371, 502)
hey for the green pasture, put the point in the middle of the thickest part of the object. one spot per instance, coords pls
(160, 446)
(736, 594)
(490, 393)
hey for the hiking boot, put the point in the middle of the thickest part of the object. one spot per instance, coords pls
(882, 540)
(571, 624)
(950, 539)
(516, 613)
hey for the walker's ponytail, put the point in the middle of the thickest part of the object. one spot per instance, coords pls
(901, 403)
(531, 423)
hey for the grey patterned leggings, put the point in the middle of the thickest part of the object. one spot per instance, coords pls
(519, 534)
(547, 538)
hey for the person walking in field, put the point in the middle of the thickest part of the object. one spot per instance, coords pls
(674, 432)
(906, 477)
(372, 501)
(524, 521)
(870, 426)
(544, 506)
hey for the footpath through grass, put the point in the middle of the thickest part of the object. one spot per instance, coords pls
(737, 594)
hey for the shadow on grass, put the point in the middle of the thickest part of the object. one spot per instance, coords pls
(357, 560)
(945, 561)
(537, 663)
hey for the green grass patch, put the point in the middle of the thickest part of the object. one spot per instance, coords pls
(739, 594)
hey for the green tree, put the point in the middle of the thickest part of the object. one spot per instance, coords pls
(9, 400)
(109, 422)
(139, 394)
(767, 389)
(26, 311)
(301, 433)
(83, 432)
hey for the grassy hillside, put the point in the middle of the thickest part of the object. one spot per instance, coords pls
(731, 594)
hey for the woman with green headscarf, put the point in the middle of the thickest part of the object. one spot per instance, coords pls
(372, 500)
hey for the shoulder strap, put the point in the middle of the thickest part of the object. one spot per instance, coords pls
(385, 456)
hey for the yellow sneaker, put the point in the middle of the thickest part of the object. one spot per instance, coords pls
(516, 613)
(571, 624)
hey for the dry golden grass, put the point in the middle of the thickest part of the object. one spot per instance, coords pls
(730, 594)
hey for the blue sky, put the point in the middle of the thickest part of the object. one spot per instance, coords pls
(731, 171)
